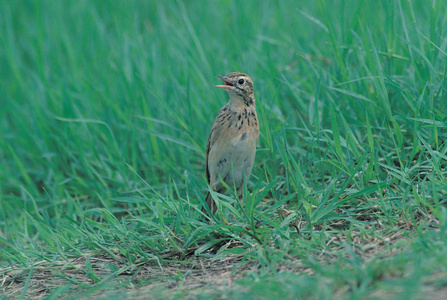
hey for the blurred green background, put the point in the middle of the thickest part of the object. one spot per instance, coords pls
(89, 88)
(109, 105)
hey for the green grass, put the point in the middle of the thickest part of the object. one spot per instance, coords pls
(105, 113)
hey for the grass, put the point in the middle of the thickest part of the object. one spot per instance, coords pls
(106, 110)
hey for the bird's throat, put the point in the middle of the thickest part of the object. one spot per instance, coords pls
(238, 100)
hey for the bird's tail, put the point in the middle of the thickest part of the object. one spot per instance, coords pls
(211, 204)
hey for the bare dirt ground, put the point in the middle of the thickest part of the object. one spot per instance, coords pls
(191, 277)
(196, 275)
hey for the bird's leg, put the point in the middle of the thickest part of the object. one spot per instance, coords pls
(240, 193)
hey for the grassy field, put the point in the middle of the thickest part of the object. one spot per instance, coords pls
(105, 111)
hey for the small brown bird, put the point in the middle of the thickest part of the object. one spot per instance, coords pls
(231, 148)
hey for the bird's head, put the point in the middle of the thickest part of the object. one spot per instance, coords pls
(239, 86)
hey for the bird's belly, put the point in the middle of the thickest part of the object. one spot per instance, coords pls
(235, 160)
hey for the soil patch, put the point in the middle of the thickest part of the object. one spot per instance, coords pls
(194, 276)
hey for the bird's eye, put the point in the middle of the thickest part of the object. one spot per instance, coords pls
(241, 81)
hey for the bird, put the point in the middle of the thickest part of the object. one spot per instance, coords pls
(231, 147)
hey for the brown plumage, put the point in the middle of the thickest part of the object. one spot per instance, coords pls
(231, 147)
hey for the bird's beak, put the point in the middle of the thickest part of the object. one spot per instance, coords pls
(227, 85)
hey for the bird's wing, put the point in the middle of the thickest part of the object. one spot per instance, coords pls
(208, 147)
(215, 132)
